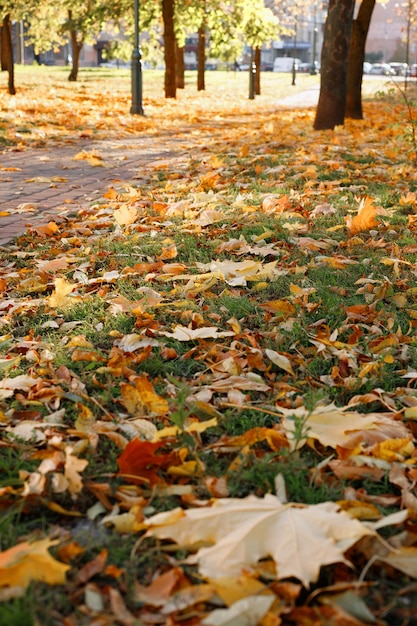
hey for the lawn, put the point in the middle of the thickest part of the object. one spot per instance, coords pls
(208, 405)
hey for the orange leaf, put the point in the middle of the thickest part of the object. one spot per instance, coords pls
(46, 229)
(279, 307)
(365, 217)
(140, 459)
(141, 398)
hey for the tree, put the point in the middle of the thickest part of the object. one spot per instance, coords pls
(169, 48)
(334, 65)
(259, 25)
(7, 61)
(360, 28)
(179, 66)
(52, 24)
(201, 58)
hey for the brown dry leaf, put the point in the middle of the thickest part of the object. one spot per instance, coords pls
(31, 561)
(300, 539)
(364, 220)
(248, 611)
(280, 360)
(161, 588)
(403, 559)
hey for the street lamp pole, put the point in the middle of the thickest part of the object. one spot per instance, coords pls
(294, 63)
(313, 67)
(252, 70)
(136, 108)
(407, 43)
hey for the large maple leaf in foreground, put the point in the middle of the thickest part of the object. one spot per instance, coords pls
(300, 539)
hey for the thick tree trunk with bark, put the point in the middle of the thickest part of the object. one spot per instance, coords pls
(7, 61)
(334, 64)
(360, 28)
(201, 59)
(77, 46)
(169, 48)
(179, 66)
(257, 59)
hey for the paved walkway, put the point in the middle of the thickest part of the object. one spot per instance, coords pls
(38, 184)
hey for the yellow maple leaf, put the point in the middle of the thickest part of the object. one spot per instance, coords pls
(73, 467)
(126, 215)
(31, 561)
(364, 219)
(409, 198)
(59, 297)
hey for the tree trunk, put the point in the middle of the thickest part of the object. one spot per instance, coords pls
(201, 59)
(169, 48)
(7, 61)
(334, 63)
(360, 28)
(179, 66)
(76, 53)
(3, 49)
(257, 60)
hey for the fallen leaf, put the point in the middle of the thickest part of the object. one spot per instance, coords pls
(248, 611)
(300, 539)
(31, 561)
(365, 219)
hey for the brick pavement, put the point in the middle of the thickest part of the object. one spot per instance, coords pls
(38, 183)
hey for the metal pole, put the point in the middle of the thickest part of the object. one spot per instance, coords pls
(22, 42)
(252, 70)
(294, 66)
(136, 108)
(313, 68)
(407, 44)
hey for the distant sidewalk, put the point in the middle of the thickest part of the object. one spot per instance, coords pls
(302, 99)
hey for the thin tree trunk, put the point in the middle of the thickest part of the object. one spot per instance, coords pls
(169, 48)
(334, 64)
(179, 66)
(257, 59)
(360, 28)
(7, 61)
(201, 59)
(76, 46)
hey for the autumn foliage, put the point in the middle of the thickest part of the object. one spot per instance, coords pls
(207, 403)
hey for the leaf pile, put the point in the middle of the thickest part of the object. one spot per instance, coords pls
(208, 399)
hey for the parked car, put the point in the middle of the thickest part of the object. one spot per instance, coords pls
(400, 69)
(309, 68)
(267, 67)
(286, 64)
(382, 69)
(412, 70)
(367, 67)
